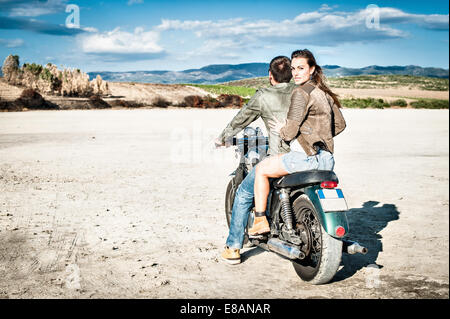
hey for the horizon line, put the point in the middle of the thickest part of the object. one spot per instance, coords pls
(324, 65)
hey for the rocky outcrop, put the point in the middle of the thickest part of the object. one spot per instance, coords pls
(10, 69)
(99, 86)
(52, 81)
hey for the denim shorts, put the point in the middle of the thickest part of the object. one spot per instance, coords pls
(298, 161)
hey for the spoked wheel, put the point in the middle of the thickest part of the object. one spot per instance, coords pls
(323, 252)
(229, 200)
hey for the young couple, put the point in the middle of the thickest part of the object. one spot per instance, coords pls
(301, 119)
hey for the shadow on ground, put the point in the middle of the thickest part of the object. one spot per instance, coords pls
(252, 252)
(365, 224)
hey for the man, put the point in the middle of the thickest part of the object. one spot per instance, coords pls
(269, 104)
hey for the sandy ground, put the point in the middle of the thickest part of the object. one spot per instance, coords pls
(392, 94)
(130, 204)
(147, 92)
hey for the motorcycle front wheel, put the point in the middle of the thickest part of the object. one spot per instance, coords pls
(323, 252)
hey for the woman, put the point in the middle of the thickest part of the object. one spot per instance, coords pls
(313, 120)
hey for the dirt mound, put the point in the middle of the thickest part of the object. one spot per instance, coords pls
(32, 100)
(228, 100)
(95, 102)
(29, 99)
(223, 100)
(125, 103)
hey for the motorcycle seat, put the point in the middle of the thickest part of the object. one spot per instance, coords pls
(305, 178)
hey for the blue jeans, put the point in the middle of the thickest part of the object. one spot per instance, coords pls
(243, 203)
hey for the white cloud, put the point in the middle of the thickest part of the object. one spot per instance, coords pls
(11, 43)
(139, 44)
(33, 8)
(326, 7)
(90, 29)
(429, 21)
(131, 2)
(323, 27)
(196, 25)
(326, 28)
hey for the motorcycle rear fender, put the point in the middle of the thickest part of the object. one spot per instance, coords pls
(329, 220)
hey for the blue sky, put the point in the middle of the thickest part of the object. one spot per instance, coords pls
(126, 35)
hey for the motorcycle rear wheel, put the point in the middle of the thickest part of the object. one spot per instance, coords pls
(324, 252)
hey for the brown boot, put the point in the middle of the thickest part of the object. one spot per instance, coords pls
(260, 225)
(231, 256)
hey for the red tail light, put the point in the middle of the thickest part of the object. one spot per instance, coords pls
(328, 184)
(340, 231)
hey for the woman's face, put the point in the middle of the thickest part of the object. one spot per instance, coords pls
(301, 71)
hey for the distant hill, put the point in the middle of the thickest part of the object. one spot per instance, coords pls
(219, 73)
(338, 71)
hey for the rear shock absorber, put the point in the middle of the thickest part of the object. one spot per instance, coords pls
(286, 210)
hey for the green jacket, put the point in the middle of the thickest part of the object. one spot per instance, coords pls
(267, 103)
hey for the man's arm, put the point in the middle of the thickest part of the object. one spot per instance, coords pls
(248, 113)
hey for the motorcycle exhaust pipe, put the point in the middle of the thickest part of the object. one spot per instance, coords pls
(352, 247)
(285, 249)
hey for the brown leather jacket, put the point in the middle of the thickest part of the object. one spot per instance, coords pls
(313, 118)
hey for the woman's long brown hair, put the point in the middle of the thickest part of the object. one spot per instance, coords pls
(318, 77)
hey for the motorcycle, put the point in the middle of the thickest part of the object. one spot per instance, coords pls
(306, 212)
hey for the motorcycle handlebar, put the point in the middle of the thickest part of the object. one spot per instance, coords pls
(256, 140)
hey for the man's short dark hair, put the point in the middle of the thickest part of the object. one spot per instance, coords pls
(280, 67)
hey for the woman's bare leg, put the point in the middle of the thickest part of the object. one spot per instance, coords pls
(270, 167)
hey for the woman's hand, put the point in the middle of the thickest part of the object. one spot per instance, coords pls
(276, 125)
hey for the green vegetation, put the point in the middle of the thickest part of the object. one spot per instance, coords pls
(16, 59)
(254, 83)
(226, 89)
(34, 68)
(364, 103)
(399, 102)
(364, 82)
(380, 103)
(430, 104)
(46, 75)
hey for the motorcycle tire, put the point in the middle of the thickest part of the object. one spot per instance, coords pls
(229, 200)
(324, 252)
